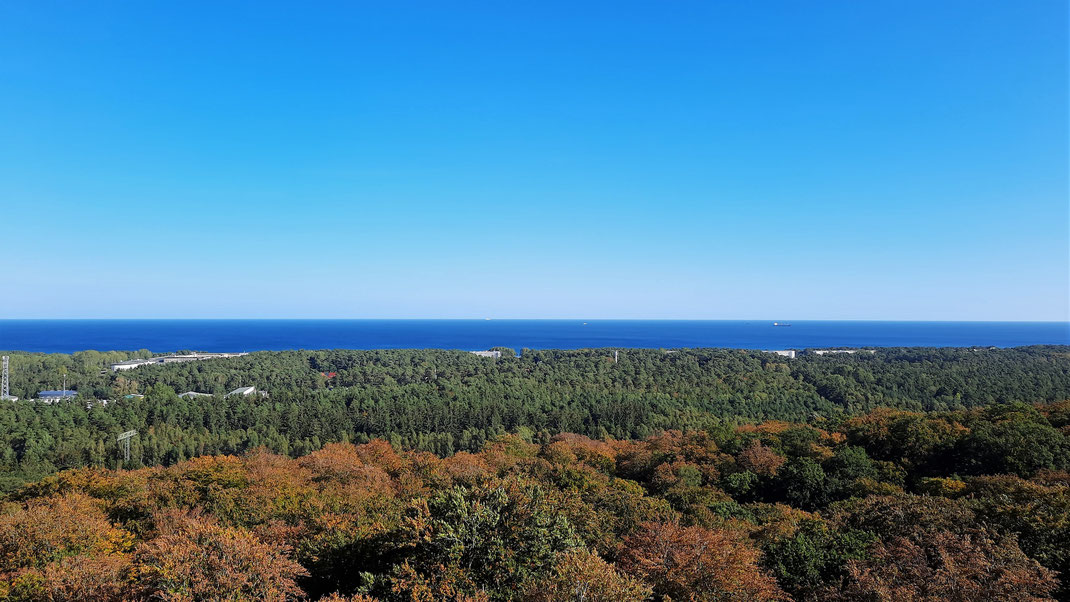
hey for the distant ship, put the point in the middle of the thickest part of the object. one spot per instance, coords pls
(781, 324)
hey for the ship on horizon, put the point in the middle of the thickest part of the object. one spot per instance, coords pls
(781, 324)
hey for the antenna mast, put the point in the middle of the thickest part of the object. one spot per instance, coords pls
(4, 393)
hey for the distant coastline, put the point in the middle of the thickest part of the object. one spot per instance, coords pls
(222, 335)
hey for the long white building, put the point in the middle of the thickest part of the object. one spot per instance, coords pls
(171, 359)
(494, 354)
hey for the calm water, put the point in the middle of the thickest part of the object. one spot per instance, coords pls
(251, 335)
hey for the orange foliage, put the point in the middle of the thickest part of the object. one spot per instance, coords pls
(696, 446)
(760, 459)
(336, 597)
(346, 465)
(379, 453)
(597, 454)
(769, 427)
(945, 567)
(441, 585)
(580, 575)
(271, 470)
(333, 461)
(49, 529)
(632, 456)
(777, 521)
(97, 579)
(467, 468)
(1052, 478)
(696, 564)
(559, 453)
(195, 559)
(213, 471)
(63, 548)
(941, 486)
(93, 481)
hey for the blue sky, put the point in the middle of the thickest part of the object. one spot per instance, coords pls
(831, 160)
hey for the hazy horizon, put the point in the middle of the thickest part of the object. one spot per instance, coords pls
(878, 161)
(505, 319)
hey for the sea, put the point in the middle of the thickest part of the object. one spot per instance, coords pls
(68, 336)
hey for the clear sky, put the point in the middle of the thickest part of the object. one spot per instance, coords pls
(824, 160)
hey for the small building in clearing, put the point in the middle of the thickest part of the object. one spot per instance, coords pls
(54, 396)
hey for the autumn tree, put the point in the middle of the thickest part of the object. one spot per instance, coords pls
(945, 567)
(580, 576)
(1036, 513)
(759, 459)
(696, 564)
(192, 558)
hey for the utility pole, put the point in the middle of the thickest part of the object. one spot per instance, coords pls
(124, 444)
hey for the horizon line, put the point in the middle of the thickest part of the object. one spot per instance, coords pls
(567, 319)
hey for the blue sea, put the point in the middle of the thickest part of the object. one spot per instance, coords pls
(66, 336)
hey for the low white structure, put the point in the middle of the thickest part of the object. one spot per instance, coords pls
(834, 351)
(51, 397)
(493, 354)
(242, 391)
(192, 394)
(171, 359)
(788, 353)
(129, 364)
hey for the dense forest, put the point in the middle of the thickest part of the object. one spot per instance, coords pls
(449, 401)
(703, 475)
(890, 505)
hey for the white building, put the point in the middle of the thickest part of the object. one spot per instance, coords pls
(171, 359)
(493, 354)
(242, 391)
(51, 397)
(192, 394)
(788, 353)
(130, 364)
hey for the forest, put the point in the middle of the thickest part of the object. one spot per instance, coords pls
(589, 475)
(449, 401)
(888, 505)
